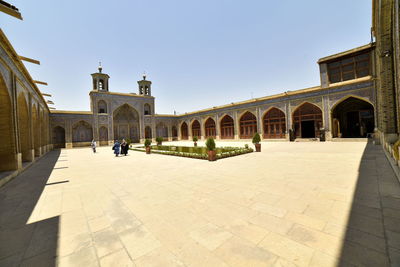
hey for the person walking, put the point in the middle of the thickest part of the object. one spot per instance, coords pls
(124, 147)
(116, 148)
(93, 146)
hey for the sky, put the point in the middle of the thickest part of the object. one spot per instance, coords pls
(198, 54)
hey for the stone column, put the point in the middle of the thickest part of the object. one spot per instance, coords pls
(217, 127)
(236, 125)
(202, 129)
(259, 122)
(288, 119)
(68, 133)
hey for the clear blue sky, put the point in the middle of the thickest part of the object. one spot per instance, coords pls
(198, 54)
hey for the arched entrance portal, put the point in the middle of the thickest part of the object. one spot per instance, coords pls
(162, 131)
(210, 128)
(248, 125)
(307, 121)
(82, 134)
(352, 117)
(196, 130)
(274, 124)
(174, 133)
(24, 128)
(36, 129)
(126, 123)
(147, 132)
(103, 136)
(7, 148)
(184, 131)
(58, 137)
(227, 127)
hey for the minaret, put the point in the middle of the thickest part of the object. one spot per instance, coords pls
(144, 86)
(100, 80)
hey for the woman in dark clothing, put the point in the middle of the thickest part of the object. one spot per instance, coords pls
(124, 147)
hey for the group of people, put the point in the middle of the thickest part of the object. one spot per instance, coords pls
(118, 148)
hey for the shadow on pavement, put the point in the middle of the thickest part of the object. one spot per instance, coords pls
(372, 236)
(21, 243)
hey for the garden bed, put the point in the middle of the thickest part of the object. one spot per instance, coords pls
(195, 152)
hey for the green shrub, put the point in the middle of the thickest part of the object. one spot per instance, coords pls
(256, 138)
(210, 144)
(128, 141)
(195, 139)
(246, 146)
(147, 142)
(159, 140)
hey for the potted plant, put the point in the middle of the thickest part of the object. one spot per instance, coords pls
(210, 144)
(159, 140)
(147, 144)
(256, 142)
(195, 139)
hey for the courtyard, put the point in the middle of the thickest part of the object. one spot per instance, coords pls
(293, 204)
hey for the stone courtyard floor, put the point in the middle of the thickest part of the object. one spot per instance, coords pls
(293, 204)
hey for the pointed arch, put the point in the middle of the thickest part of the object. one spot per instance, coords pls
(307, 120)
(82, 133)
(36, 129)
(184, 131)
(103, 136)
(102, 106)
(126, 123)
(274, 123)
(352, 117)
(162, 130)
(174, 133)
(7, 148)
(196, 129)
(24, 128)
(227, 126)
(147, 109)
(210, 129)
(147, 132)
(58, 137)
(248, 125)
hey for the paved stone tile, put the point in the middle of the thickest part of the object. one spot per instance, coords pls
(106, 241)
(139, 241)
(194, 254)
(118, 258)
(85, 257)
(288, 249)
(210, 236)
(159, 257)
(247, 230)
(290, 201)
(239, 252)
(272, 223)
(315, 239)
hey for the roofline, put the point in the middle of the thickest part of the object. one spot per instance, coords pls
(70, 112)
(123, 94)
(347, 52)
(287, 93)
(20, 65)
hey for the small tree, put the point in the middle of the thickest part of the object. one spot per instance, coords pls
(159, 140)
(147, 142)
(195, 139)
(210, 144)
(256, 138)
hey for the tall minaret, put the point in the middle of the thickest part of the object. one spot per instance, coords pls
(144, 86)
(100, 80)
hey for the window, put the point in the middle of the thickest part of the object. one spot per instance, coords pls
(147, 109)
(348, 68)
(102, 105)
